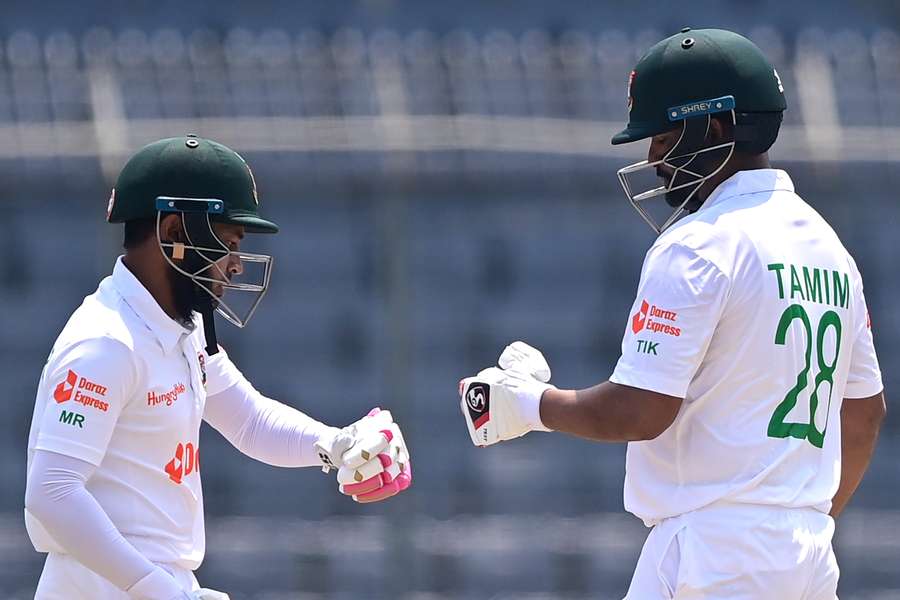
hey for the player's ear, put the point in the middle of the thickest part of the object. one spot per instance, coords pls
(720, 130)
(171, 228)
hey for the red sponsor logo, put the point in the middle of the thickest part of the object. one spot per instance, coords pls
(86, 391)
(185, 462)
(63, 391)
(168, 398)
(639, 319)
(655, 319)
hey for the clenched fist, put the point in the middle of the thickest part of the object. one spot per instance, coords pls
(370, 456)
(504, 403)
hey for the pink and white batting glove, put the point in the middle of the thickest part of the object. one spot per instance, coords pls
(371, 458)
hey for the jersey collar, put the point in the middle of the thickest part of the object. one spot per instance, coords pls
(749, 182)
(167, 331)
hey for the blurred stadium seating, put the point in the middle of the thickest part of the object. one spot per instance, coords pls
(441, 193)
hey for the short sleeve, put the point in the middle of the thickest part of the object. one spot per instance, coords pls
(221, 373)
(680, 299)
(86, 386)
(864, 376)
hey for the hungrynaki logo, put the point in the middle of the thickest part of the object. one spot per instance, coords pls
(168, 397)
(86, 391)
(652, 318)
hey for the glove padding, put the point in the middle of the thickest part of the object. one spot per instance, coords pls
(371, 458)
(207, 594)
(502, 404)
(526, 359)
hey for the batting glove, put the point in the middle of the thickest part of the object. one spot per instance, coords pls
(207, 594)
(159, 583)
(526, 359)
(504, 403)
(370, 456)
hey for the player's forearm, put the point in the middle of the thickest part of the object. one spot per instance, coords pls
(609, 412)
(860, 422)
(264, 429)
(282, 436)
(56, 497)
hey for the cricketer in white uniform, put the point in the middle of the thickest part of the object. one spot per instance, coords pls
(748, 387)
(113, 490)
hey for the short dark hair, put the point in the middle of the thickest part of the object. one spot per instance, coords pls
(137, 232)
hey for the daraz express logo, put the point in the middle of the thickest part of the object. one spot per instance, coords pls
(652, 318)
(85, 391)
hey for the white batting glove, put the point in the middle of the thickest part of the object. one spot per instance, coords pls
(502, 404)
(371, 458)
(207, 594)
(521, 357)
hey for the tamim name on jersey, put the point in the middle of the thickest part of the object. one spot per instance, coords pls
(812, 284)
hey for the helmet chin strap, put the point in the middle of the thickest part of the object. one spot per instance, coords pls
(205, 306)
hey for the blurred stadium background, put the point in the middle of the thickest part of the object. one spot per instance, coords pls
(445, 185)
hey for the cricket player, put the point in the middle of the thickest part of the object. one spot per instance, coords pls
(748, 388)
(113, 484)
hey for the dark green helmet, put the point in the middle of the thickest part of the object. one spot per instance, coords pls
(203, 183)
(692, 67)
(193, 168)
(681, 84)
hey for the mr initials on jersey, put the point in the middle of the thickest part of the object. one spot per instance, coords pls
(812, 284)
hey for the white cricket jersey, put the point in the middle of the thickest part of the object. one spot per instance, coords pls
(751, 310)
(124, 388)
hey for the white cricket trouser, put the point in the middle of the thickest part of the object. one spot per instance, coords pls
(738, 552)
(64, 578)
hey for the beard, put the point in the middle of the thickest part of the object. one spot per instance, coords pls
(676, 198)
(185, 294)
(189, 297)
(704, 163)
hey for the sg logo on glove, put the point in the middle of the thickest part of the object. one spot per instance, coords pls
(479, 400)
(504, 403)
